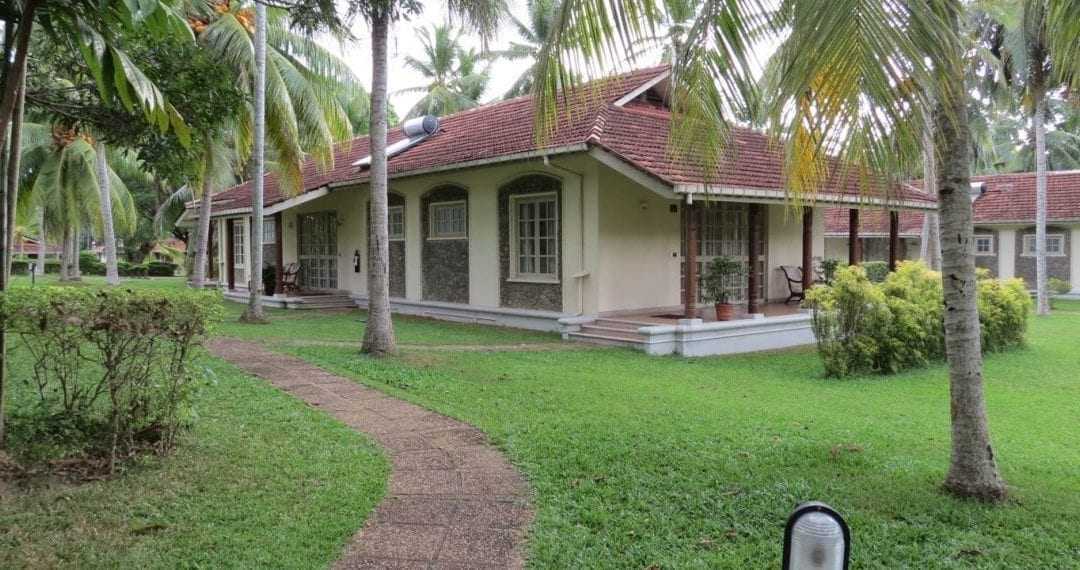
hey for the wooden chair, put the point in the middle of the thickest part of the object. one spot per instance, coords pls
(290, 279)
(793, 274)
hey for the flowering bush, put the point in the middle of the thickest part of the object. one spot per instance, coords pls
(863, 327)
(111, 369)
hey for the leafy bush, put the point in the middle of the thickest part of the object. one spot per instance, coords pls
(52, 266)
(1059, 286)
(111, 369)
(720, 275)
(20, 267)
(876, 271)
(863, 327)
(828, 269)
(89, 264)
(161, 269)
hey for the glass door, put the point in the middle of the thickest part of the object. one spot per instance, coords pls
(724, 231)
(317, 250)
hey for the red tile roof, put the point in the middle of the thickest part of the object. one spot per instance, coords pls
(872, 222)
(588, 117)
(1006, 198)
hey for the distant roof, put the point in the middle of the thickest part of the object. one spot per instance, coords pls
(29, 246)
(1005, 199)
(605, 114)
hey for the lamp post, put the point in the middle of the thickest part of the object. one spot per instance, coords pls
(816, 538)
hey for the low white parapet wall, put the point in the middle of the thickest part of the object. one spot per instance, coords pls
(546, 321)
(694, 337)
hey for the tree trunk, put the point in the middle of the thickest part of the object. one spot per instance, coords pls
(254, 311)
(8, 94)
(930, 238)
(202, 240)
(973, 470)
(13, 165)
(379, 332)
(112, 273)
(76, 249)
(65, 255)
(43, 249)
(1041, 288)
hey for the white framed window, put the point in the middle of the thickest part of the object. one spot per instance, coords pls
(239, 235)
(448, 220)
(1055, 245)
(534, 237)
(395, 221)
(984, 244)
(269, 230)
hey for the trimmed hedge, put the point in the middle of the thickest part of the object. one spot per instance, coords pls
(90, 265)
(20, 267)
(876, 271)
(161, 269)
(865, 327)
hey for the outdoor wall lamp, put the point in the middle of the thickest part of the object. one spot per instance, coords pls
(816, 538)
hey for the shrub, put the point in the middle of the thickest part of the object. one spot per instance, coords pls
(1059, 286)
(876, 271)
(828, 269)
(161, 269)
(20, 267)
(719, 277)
(863, 327)
(89, 264)
(111, 369)
(52, 266)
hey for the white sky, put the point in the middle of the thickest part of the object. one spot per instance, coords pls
(404, 42)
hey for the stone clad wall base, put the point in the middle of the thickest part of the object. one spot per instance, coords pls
(693, 337)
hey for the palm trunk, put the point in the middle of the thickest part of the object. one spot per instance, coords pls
(39, 268)
(973, 470)
(379, 332)
(14, 79)
(255, 283)
(112, 273)
(930, 238)
(76, 249)
(1041, 287)
(13, 166)
(202, 240)
(65, 256)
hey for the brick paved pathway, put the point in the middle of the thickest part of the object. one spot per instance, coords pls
(453, 502)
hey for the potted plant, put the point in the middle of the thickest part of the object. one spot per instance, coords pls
(718, 277)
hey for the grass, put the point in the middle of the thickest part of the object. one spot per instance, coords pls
(642, 462)
(262, 481)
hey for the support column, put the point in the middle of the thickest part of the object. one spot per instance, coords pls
(690, 286)
(854, 245)
(894, 239)
(230, 262)
(753, 303)
(211, 255)
(807, 248)
(279, 259)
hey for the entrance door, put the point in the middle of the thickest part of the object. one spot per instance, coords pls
(317, 250)
(724, 231)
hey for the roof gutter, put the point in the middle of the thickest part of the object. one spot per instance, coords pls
(771, 196)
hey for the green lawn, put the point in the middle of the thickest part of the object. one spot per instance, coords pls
(691, 463)
(642, 462)
(262, 481)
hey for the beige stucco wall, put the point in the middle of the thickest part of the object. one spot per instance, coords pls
(639, 263)
(482, 184)
(784, 245)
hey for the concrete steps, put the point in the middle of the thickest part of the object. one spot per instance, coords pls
(610, 332)
(320, 302)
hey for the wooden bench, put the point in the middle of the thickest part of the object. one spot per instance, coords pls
(290, 279)
(794, 276)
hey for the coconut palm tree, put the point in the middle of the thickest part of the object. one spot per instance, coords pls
(480, 15)
(852, 79)
(533, 33)
(454, 81)
(1019, 33)
(61, 169)
(303, 110)
(254, 312)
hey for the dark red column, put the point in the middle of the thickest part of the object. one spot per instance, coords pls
(807, 248)
(690, 286)
(753, 303)
(854, 245)
(894, 239)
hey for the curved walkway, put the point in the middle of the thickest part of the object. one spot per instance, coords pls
(453, 499)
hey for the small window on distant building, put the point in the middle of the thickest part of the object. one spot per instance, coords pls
(447, 220)
(269, 231)
(1055, 245)
(396, 222)
(984, 244)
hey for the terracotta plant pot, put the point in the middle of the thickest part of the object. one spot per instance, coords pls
(725, 311)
